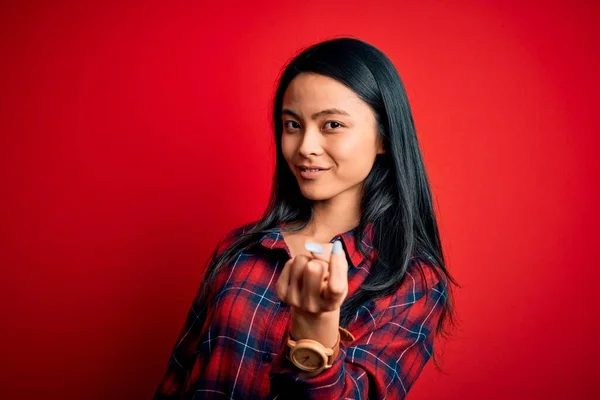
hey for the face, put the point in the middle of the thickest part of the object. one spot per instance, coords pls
(326, 125)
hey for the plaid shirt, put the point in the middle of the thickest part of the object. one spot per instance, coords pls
(236, 349)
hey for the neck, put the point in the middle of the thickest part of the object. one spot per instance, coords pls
(336, 215)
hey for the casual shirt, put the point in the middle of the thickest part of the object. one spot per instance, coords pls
(236, 349)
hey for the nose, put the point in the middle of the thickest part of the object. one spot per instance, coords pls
(311, 143)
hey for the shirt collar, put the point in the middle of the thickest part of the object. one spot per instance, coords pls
(274, 240)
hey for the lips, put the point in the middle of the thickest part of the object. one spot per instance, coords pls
(303, 169)
(311, 168)
(311, 173)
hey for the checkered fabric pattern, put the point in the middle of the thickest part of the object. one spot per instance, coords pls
(235, 349)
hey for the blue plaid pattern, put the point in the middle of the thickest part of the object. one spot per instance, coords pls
(236, 348)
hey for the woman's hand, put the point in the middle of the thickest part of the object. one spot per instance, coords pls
(315, 284)
(315, 287)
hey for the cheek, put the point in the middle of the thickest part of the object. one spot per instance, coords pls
(352, 150)
(287, 148)
(354, 160)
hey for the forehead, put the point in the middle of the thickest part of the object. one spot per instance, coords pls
(310, 92)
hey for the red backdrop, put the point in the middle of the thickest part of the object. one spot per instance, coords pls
(134, 136)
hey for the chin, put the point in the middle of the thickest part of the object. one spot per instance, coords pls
(315, 195)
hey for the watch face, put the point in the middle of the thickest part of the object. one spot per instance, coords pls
(307, 358)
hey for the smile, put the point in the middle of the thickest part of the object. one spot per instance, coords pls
(311, 173)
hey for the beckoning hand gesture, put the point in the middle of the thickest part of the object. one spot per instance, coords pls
(316, 284)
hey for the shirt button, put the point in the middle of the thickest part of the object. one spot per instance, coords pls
(267, 357)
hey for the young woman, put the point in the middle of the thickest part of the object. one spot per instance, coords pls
(339, 289)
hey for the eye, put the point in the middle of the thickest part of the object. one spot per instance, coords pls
(291, 125)
(334, 124)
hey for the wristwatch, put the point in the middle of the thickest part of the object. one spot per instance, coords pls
(311, 356)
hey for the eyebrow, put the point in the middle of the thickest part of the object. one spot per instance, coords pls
(329, 111)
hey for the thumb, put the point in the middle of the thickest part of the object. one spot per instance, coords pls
(338, 269)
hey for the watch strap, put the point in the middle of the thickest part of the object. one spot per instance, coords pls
(329, 353)
(345, 335)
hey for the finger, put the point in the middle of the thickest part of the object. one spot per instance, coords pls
(320, 251)
(338, 271)
(284, 280)
(314, 272)
(295, 284)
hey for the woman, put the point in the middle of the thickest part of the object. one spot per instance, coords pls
(338, 290)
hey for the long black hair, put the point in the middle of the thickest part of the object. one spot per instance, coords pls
(396, 196)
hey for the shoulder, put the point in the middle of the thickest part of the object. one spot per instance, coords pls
(424, 275)
(230, 236)
(422, 282)
(219, 268)
(424, 289)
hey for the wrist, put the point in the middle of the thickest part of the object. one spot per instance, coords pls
(322, 327)
(311, 356)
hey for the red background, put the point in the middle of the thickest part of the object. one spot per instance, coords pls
(134, 136)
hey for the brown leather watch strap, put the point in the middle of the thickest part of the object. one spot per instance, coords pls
(345, 335)
(336, 351)
(330, 354)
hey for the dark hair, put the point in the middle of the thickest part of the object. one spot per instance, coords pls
(396, 194)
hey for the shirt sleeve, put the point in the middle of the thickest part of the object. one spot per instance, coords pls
(181, 360)
(382, 363)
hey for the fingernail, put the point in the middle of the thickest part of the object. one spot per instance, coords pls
(314, 247)
(337, 247)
